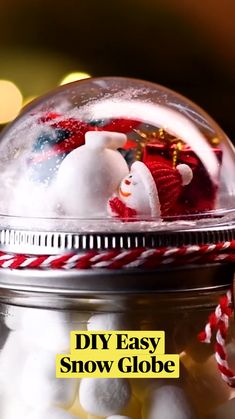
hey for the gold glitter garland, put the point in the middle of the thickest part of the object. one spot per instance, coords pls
(163, 137)
(158, 136)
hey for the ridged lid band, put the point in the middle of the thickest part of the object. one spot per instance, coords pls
(46, 242)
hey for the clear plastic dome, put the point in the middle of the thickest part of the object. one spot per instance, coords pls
(115, 152)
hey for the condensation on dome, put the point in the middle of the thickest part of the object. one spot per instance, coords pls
(115, 153)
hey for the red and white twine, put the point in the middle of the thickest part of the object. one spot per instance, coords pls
(219, 322)
(124, 259)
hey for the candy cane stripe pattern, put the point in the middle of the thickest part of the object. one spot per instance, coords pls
(219, 321)
(126, 259)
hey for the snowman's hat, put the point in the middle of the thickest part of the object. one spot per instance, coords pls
(163, 184)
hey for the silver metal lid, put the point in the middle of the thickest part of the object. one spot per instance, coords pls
(49, 242)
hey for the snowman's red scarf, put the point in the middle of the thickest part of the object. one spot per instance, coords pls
(121, 210)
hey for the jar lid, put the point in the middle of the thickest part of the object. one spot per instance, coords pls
(56, 242)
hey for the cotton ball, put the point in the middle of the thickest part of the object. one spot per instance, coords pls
(104, 396)
(109, 321)
(51, 413)
(40, 388)
(12, 358)
(47, 329)
(168, 402)
(224, 411)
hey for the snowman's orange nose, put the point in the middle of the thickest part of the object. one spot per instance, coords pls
(127, 182)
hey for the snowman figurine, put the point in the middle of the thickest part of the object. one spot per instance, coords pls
(150, 190)
(90, 174)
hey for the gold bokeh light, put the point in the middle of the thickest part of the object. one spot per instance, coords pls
(10, 101)
(75, 76)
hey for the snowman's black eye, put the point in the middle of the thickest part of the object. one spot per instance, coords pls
(130, 176)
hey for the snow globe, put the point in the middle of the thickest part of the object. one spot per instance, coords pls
(117, 213)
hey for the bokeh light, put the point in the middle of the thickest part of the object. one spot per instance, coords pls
(69, 78)
(10, 101)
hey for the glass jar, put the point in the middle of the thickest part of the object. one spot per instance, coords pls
(38, 311)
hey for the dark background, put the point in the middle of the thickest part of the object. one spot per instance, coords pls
(187, 45)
